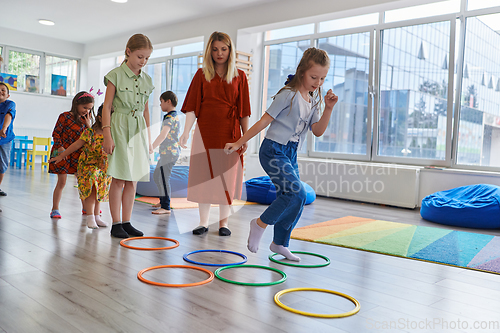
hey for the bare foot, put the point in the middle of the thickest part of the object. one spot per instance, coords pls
(160, 211)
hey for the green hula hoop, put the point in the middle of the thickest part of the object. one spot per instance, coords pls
(251, 283)
(271, 257)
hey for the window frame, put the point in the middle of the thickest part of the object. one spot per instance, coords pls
(42, 69)
(446, 162)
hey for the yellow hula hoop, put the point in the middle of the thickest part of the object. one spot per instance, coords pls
(340, 315)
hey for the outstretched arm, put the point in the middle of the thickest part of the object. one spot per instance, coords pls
(71, 149)
(253, 131)
(319, 128)
(163, 134)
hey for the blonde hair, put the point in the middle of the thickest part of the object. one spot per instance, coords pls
(137, 42)
(208, 61)
(312, 56)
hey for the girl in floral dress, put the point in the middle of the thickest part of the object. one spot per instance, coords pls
(93, 182)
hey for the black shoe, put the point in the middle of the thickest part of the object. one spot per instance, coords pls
(129, 229)
(2, 193)
(118, 232)
(224, 231)
(200, 230)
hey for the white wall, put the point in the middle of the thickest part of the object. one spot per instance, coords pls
(37, 114)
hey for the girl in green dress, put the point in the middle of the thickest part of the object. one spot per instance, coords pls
(126, 133)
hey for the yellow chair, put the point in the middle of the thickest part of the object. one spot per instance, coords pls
(45, 153)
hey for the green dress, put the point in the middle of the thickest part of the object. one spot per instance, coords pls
(130, 158)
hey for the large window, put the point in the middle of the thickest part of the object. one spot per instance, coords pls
(479, 126)
(348, 78)
(413, 90)
(62, 67)
(183, 70)
(428, 75)
(37, 72)
(24, 65)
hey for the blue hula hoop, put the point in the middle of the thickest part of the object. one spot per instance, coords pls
(185, 257)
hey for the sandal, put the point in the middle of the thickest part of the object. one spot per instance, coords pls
(55, 214)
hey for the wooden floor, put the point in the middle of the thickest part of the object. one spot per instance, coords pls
(60, 276)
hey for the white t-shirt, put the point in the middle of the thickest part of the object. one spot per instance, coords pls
(305, 108)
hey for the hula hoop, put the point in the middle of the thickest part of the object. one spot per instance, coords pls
(340, 315)
(175, 285)
(256, 284)
(185, 257)
(271, 257)
(122, 243)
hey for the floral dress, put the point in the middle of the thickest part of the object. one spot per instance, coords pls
(92, 166)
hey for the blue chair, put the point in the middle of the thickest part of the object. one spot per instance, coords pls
(18, 149)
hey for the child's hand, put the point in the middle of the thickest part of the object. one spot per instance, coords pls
(60, 149)
(331, 99)
(56, 159)
(87, 120)
(183, 140)
(231, 147)
(2, 133)
(108, 146)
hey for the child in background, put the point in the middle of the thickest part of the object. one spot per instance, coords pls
(7, 115)
(127, 137)
(93, 182)
(68, 129)
(169, 150)
(295, 109)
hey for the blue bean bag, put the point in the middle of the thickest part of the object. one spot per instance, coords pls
(178, 183)
(473, 206)
(262, 190)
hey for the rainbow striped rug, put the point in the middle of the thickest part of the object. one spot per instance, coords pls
(443, 246)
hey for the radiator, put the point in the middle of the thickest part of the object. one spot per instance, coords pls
(388, 184)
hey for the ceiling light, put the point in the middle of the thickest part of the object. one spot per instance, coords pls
(46, 22)
(120, 1)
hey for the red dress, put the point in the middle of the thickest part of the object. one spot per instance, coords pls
(214, 176)
(66, 131)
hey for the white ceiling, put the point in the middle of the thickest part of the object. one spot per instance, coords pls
(85, 21)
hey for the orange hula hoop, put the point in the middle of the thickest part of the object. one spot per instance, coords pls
(123, 241)
(176, 285)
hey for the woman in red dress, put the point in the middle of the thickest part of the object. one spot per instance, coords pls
(219, 101)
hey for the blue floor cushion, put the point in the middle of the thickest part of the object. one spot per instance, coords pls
(262, 190)
(472, 206)
(178, 183)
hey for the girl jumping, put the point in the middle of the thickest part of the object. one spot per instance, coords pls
(295, 109)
